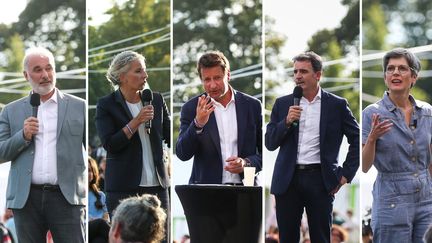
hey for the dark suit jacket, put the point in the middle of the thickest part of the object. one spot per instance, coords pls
(205, 147)
(124, 156)
(335, 122)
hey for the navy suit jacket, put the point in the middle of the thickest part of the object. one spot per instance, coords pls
(336, 121)
(124, 156)
(205, 147)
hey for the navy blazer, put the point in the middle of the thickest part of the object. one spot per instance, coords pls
(205, 147)
(124, 156)
(336, 120)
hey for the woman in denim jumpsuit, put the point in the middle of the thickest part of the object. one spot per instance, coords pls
(397, 134)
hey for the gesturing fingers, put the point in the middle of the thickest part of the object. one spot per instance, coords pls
(380, 128)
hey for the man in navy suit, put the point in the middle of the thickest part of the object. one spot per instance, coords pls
(309, 135)
(221, 129)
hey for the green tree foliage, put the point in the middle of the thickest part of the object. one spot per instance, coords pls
(410, 28)
(274, 42)
(132, 18)
(15, 53)
(374, 27)
(330, 44)
(233, 27)
(58, 25)
(338, 43)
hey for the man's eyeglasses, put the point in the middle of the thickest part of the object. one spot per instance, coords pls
(402, 69)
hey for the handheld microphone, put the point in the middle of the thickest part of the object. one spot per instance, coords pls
(35, 102)
(146, 99)
(298, 93)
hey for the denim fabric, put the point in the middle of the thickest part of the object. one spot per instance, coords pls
(402, 205)
(403, 148)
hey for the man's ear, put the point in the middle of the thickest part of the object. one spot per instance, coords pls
(25, 75)
(318, 75)
(117, 231)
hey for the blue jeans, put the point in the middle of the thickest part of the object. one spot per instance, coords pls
(48, 210)
(402, 206)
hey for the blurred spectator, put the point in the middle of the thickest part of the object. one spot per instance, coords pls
(96, 198)
(349, 223)
(367, 234)
(337, 219)
(138, 219)
(5, 235)
(272, 234)
(185, 239)
(271, 216)
(338, 234)
(9, 223)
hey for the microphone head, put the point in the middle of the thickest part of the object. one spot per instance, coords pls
(35, 99)
(298, 92)
(147, 95)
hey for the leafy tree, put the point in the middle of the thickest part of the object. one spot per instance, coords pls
(132, 18)
(409, 18)
(58, 25)
(274, 42)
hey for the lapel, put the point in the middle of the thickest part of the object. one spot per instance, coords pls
(61, 110)
(119, 99)
(27, 108)
(242, 116)
(214, 132)
(325, 110)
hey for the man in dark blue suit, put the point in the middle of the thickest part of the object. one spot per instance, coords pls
(309, 135)
(221, 129)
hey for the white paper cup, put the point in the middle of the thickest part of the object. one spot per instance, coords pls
(249, 176)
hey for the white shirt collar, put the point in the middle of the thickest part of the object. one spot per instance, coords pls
(53, 97)
(232, 98)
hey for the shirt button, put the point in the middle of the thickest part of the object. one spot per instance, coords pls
(413, 159)
(412, 142)
(392, 205)
(415, 175)
(417, 190)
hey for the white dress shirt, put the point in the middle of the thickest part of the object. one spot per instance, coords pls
(148, 174)
(226, 119)
(309, 131)
(45, 160)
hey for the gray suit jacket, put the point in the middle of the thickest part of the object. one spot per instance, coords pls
(71, 164)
